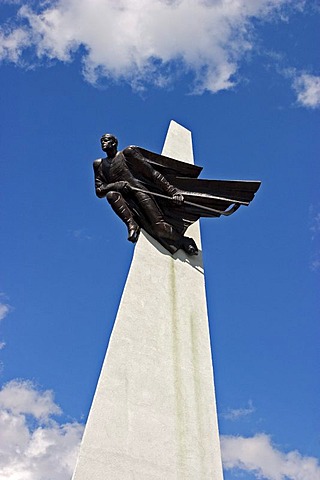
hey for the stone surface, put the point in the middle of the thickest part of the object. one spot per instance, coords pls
(153, 416)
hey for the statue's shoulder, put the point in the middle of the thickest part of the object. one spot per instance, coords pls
(97, 163)
(130, 150)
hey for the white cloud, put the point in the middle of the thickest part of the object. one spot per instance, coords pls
(258, 456)
(4, 310)
(144, 42)
(22, 397)
(236, 413)
(307, 88)
(33, 446)
(13, 43)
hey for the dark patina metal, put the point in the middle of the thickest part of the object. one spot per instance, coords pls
(162, 195)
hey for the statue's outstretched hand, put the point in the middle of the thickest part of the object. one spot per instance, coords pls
(178, 199)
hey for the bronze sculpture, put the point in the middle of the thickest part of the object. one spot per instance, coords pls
(162, 195)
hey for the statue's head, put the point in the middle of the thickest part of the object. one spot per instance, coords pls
(108, 142)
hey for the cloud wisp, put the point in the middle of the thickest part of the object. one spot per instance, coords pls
(307, 88)
(5, 309)
(142, 42)
(34, 446)
(258, 456)
(80, 234)
(237, 413)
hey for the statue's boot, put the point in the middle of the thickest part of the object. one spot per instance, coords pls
(166, 231)
(120, 207)
(133, 231)
(189, 246)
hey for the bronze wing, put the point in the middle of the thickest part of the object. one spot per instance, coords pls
(203, 198)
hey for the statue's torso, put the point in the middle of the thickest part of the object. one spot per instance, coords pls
(116, 170)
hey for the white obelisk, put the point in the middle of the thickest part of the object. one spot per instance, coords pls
(153, 416)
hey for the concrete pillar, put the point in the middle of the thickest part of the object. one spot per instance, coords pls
(153, 416)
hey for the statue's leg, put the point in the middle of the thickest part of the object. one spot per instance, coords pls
(155, 217)
(120, 207)
(162, 228)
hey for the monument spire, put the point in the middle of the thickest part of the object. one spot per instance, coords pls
(153, 415)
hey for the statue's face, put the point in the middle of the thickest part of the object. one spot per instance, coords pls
(108, 142)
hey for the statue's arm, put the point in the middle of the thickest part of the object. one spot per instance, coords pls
(102, 188)
(149, 172)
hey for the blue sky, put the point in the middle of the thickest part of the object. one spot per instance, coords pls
(245, 78)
